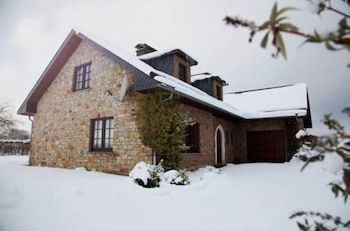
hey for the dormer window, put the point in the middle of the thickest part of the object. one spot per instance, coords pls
(219, 92)
(82, 77)
(182, 72)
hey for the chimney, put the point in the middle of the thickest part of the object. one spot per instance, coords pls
(143, 48)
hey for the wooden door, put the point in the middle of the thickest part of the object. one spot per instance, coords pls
(266, 146)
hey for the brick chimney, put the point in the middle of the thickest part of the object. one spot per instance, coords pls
(143, 48)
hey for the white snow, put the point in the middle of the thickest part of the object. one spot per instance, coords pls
(141, 171)
(281, 101)
(170, 175)
(159, 53)
(333, 163)
(194, 92)
(237, 197)
(199, 77)
(301, 133)
(14, 141)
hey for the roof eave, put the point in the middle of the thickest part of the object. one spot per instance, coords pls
(26, 107)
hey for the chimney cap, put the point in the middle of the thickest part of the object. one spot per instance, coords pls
(143, 48)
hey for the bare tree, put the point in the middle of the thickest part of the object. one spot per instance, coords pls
(6, 119)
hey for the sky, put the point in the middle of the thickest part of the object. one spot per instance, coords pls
(32, 31)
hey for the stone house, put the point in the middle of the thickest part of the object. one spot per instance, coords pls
(84, 108)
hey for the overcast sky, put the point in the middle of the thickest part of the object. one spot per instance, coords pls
(32, 31)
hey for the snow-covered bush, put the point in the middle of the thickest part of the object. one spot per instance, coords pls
(176, 177)
(149, 176)
(146, 175)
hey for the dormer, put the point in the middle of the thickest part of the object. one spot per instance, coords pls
(174, 62)
(212, 85)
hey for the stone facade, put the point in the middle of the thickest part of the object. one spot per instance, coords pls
(61, 127)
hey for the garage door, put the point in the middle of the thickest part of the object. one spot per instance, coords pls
(266, 146)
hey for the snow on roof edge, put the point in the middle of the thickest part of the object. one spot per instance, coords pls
(159, 53)
(181, 86)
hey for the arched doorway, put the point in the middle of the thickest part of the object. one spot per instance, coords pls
(219, 145)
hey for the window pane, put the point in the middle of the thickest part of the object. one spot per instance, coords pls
(108, 143)
(107, 133)
(99, 143)
(82, 77)
(86, 85)
(102, 134)
(192, 138)
(182, 72)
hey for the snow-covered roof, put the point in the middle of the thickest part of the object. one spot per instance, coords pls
(199, 77)
(165, 80)
(193, 92)
(156, 54)
(267, 103)
(271, 102)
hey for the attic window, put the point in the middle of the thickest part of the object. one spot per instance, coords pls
(219, 92)
(82, 77)
(182, 72)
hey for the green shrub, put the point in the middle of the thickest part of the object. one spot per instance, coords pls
(162, 127)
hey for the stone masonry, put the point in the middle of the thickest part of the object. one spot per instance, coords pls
(61, 127)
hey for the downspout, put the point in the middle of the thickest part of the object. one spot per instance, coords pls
(30, 144)
(167, 99)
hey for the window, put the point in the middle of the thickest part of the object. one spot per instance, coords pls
(231, 137)
(182, 72)
(102, 134)
(82, 77)
(192, 138)
(219, 92)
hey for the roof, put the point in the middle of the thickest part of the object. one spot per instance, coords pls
(158, 54)
(283, 101)
(146, 78)
(206, 77)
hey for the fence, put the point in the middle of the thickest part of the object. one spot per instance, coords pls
(14, 147)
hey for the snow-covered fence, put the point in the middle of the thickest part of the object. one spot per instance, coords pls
(14, 147)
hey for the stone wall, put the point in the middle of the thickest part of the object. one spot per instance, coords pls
(61, 127)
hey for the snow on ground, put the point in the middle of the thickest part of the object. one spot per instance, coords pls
(238, 197)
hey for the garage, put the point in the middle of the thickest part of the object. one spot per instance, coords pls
(266, 146)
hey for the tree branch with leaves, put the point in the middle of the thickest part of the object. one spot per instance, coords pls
(278, 24)
(315, 147)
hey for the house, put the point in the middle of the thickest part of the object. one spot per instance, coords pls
(84, 108)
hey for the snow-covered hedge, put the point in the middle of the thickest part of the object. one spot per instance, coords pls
(146, 175)
(150, 176)
(176, 177)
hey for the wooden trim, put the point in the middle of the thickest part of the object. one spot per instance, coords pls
(83, 82)
(103, 138)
